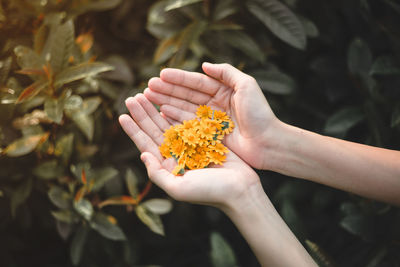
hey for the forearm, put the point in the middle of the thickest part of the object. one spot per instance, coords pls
(364, 170)
(265, 231)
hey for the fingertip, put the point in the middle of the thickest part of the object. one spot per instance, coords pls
(165, 74)
(206, 64)
(129, 100)
(152, 82)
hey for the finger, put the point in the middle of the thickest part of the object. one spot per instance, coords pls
(176, 114)
(143, 142)
(194, 80)
(143, 120)
(162, 99)
(170, 120)
(153, 112)
(178, 91)
(230, 75)
(159, 175)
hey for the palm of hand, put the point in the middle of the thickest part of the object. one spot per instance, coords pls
(179, 93)
(214, 186)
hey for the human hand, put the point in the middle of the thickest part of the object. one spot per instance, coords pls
(225, 88)
(221, 186)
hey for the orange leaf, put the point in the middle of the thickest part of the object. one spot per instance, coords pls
(83, 176)
(145, 191)
(85, 41)
(80, 194)
(121, 200)
(31, 72)
(31, 90)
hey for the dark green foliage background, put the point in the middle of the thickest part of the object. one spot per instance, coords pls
(344, 83)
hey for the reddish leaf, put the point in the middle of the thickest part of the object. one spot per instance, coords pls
(145, 191)
(121, 200)
(80, 194)
(83, 176)
(31, 71)
(31, 90)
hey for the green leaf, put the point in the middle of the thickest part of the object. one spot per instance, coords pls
(20, 195)
(222, 254)
(48, 170)
(384, 65)
(309, 27)
(153, 221)
(243, 42)
(394, 5)
(84, 122)
(174, 4)
(101, 176)
(84, 208)
(24, 145)
(5, 67)
(359, 57)
(78, 244)
(59, 197)
(54, 109)
(158, 206)
(186, 39)
(99, 5)
(274, 82)
(106, 226)
(66, 216)
(164, 24)
(166, 49)
(61, 44)
(79, 72)
(343, 120)
(224, 8)
(64, 147)
(90, 105)
(27, 58)
(359, 225)
(396, 117)
(320, 257)
(122, 71)
(73, 102)
(280, 20)
(132, 183)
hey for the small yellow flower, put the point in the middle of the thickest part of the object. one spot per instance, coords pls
(220, 115)
(165, 150)
(177, 147)
(204, 112)
(216, 157)
(190, 137)
(196, 143)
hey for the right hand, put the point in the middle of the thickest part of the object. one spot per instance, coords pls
(228, 89)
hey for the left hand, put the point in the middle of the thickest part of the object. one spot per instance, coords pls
(221, 186)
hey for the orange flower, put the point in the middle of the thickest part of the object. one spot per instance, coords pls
(197, 143)
(204, 112)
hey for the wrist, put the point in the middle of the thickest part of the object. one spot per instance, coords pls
(277, 143)
(265, 231)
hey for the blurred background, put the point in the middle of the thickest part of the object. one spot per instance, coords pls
(73, 191)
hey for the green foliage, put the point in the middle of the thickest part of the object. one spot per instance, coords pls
(69, 176)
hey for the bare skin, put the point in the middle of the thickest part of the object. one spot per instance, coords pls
(264, 142)
(233, 187)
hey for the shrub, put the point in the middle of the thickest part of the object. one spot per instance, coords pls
(67, 170)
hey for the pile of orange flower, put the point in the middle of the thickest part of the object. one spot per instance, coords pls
(197, 143)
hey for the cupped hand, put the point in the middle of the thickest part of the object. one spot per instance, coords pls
(224, 88)
(220, 186)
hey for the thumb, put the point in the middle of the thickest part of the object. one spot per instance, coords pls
(228, 74)
(156, 172)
